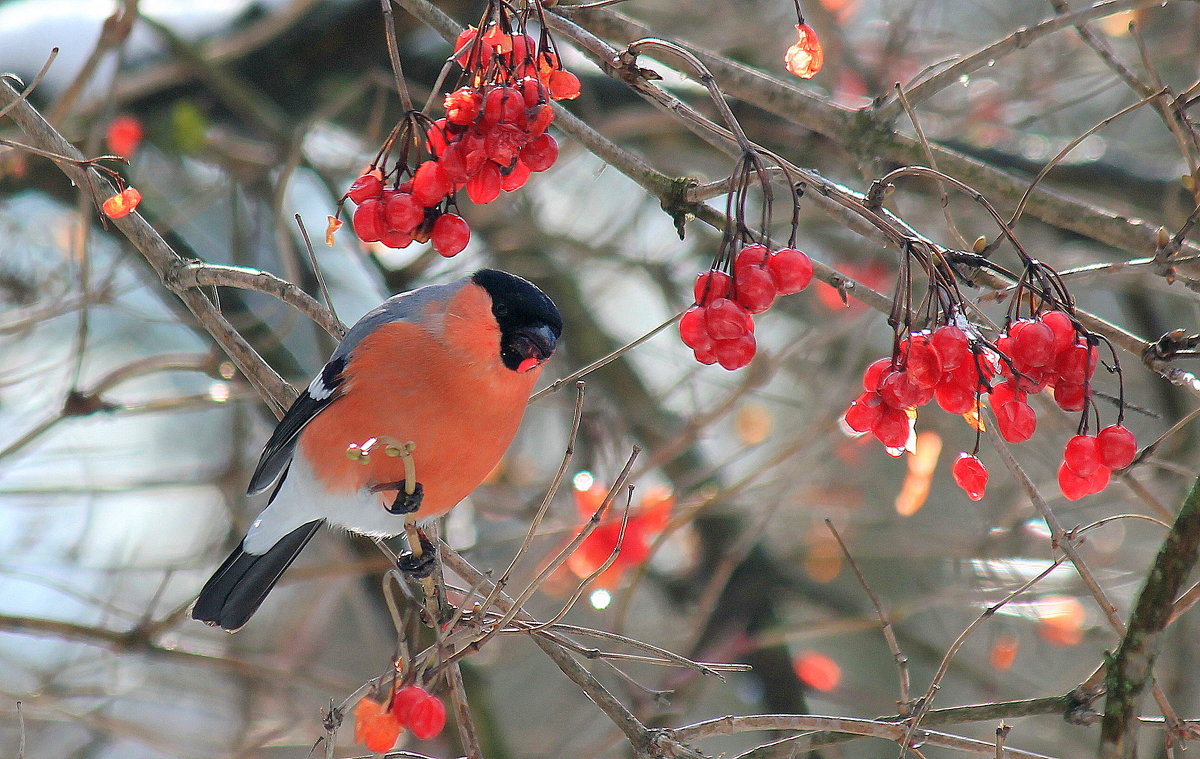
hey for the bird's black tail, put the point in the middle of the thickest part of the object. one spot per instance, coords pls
(238, 587)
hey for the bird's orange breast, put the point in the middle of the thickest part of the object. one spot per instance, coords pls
(438, 383)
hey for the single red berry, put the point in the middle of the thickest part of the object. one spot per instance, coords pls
(122, 204)
(533, 91)
(874, 373)
(427, 717)
(1077, 363)
(563, 85)
(365, 187)
(450, 234)
(465, 49)
(402, 212)
(1005, 392)
(950, 342)
(692, 328)
(754, 289)
(791, 269)
(1032, 380)
(965, 375)
(1033, 344)
(397, 238)
(893, 428)
(710, 285)
(1064, 331)
(727, 320)
(462, 105)
(430, 184)
(381, 733)
(1072, 485)
(124, 135)
(1098, 480)
(954, 398)
(515, 177)
(1081, 455)
(405, 700)
(369, 224)
(1116, 447)
(922, 363)
(864, 412)
(365, 713)
(899, 391)
(484, 187)
(454, 163)
(437, 137)
(1016, 421)
(503, 105)
(971, 475)
(706, 354)
(540, 154)
(503, 143)
(735, 353)
(538, 119)
(1070, 397)
(750, 257)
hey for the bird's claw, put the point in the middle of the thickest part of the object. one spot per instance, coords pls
(421, 565)
(406, 503)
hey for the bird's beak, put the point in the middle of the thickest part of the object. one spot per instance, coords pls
(535, 343)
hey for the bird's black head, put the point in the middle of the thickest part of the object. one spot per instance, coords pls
(529, 321)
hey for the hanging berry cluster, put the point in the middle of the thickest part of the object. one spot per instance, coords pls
(377, 725)
(952, 364)
(719, 328)
(492, 137)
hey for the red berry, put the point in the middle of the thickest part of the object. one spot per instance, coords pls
(379, 732)
(754, 289)
(397, 238)
(405, 700)
(540, 154)
(1016, 421)
(950, 342)
(893, 428)
(1116, 447)
(1076, 364)
(1064, 331)
(514, 178)
(430, 184)
(864, 412)
(692, 329)
(122, 204)
(1005, 392)
(484, 187)
(710, 285)
(365, 187)
(970, 475)
(427, 717)
(1033, 344)
(563, 85)
(706, 354)
(791, 269)
(437, 137)
(503, 143)
(369, 224)
(533, 91)
(402, 212)
(750, 257)
(1081, 455)
(727, 320)
(899, 391)
(503, 105)
(1098, 480)
(123, 135)
(735, 353)
(466, 47)
(1070, 397)
(1072, 485)
(954, 398)
(450, 234)
(922, 363)
(875, 372)
(538, 118)
(454, 163)
(462, 105)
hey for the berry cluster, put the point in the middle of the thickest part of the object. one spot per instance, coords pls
(946, 365)
(492, 137)
(720, 328)
(377, 727)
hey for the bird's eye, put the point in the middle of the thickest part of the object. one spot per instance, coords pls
(501, 310)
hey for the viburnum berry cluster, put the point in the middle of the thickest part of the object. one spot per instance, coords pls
(377, 726)
(745, 278)
(491, 139)
(954, 366)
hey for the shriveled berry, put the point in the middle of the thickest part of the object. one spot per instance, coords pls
(735, 353)
(484, 187)
(710, 285)
(437, 137)
(1081, 455)
(450, 235)
(401, 212)
(365, 713)
(971, 475)
(791, 269)
(369, 224)
(503, 143)
(122, 204)
(922, 363)
(541, 153)
(754, 289)
(470, 51)
(563, 85)
(864, 412)
(462, 105)
(950, 342)
(1016, 421)
(893, 428)
(365, 187)
(1116, 447)
(727, 320)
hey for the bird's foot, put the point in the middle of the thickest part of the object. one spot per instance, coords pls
(405, 502)
(418, 565)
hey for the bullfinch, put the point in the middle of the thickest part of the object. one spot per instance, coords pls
(448, 368)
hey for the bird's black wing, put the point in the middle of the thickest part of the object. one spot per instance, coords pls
(324, 390)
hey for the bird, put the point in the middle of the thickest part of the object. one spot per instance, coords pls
(448, 368)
